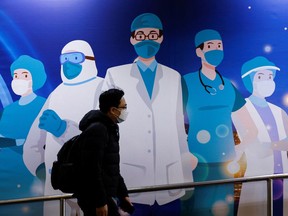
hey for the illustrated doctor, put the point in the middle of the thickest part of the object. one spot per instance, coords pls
(153, 140)
(66, 105)
(16, 181)
(210, 101)
(268, 155)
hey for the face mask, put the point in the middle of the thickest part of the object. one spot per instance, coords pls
(147, 48)
(71, 70)
(123, 115)
(264, 88)
(214, 57)
(20, 87)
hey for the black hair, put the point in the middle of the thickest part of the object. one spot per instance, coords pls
(110, 98)
(201, 46)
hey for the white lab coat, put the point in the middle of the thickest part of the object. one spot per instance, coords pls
(260, 161)
(153, 142)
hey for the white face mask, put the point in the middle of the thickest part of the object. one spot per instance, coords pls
(123, 115)
(264, 88)
(20, 87)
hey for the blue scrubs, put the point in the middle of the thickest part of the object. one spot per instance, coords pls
(210, 138)
(15, 179)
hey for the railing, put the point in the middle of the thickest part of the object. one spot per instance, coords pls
(267, 178)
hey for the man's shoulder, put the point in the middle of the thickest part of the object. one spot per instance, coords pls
(190, 75)
(119, 67)
(167, 68)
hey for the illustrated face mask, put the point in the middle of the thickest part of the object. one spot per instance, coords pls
(71, 70)
(123, 116)
(147, 48)
(20, 87)
(264, 88)
(214, 57)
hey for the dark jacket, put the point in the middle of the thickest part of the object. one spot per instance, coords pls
(99, 164)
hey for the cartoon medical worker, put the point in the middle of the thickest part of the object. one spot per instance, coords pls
(15, 180)
(153, 140)
(264, 157)
(210, 100)
(66, 105)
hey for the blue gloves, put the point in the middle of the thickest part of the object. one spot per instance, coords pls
(51, 122)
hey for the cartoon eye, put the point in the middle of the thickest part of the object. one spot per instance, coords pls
(26, 75)
(209, 46)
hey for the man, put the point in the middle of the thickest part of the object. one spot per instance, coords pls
(102, 184)
(153, 140)
(211, 99)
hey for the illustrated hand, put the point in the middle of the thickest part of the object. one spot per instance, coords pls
(51, 122)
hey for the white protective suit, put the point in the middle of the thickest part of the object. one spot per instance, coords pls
(153, 141)
(71, 100)
(260, 161)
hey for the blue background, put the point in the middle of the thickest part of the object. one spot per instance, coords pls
(41, 28)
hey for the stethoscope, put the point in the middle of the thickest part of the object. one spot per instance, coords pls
(211, 90)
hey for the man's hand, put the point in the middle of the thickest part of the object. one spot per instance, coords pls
(102, 211)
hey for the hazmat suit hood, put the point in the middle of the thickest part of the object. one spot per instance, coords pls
(89, 69)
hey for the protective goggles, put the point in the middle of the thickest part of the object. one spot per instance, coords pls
(74, 57)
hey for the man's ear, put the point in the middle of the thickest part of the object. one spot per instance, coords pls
(160, 39)
(114, 110)
(199, 52)
(133, 41)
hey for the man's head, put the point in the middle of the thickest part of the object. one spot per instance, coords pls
(209, 47)
(113, 104)
(146, 35)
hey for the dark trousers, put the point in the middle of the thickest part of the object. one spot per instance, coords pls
(90, 210)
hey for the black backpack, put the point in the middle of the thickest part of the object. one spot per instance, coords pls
(64, 173)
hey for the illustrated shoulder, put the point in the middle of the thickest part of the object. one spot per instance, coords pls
(119, 67)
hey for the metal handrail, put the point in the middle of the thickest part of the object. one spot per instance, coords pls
(268, 178)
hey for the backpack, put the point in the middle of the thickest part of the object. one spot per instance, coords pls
(64, 173)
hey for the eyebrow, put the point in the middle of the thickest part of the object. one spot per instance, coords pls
(152, 31)
(213, 43)
(24, 72)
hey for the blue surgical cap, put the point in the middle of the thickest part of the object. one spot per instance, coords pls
(34, 66)
(146, 20)
(250, 68)
(206, 35)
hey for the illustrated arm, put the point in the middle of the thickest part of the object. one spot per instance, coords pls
(281, 145)
(189, 161)
(34, 147)
(246, 129)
